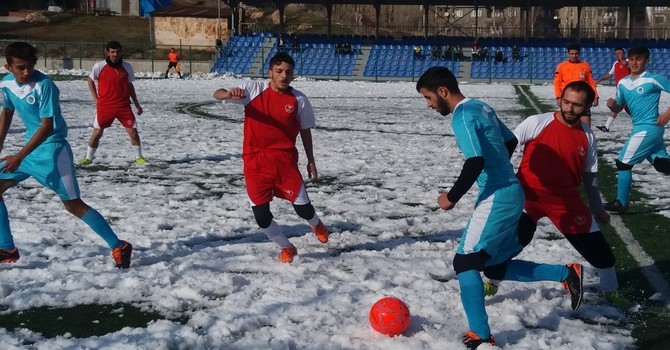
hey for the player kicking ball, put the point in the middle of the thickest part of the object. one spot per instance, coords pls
(46, 155)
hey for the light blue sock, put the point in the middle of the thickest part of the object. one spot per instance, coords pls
(624, 180)
(472, 298)
(526, 271)
(93, 219)
(6, 240)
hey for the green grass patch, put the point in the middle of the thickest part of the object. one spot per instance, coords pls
(81, 321)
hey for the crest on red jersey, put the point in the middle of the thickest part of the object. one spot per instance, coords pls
(289, 108)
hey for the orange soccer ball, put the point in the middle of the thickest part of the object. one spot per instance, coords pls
(389, 316)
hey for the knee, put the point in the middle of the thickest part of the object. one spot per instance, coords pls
(263, 215)
(662, 165)
(305, 211)
(526, 229)
(496, 272)
(472, 261)
(622, 166)
(76, 207)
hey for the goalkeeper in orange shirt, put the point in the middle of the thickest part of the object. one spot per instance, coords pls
(173, 57)
(573, 70)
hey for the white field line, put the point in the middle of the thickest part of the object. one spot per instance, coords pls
(647, 265)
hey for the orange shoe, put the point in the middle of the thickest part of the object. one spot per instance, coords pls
(286, 255)
(471, 340)
(321, 232)
(9, 256)
(121, 255)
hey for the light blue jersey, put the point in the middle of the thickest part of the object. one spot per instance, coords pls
(642, 95)
(479, 133)
(34, 100)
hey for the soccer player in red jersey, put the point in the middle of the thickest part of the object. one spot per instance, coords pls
(560, 154)
(112, 99)
(274, 115)
(620, 69)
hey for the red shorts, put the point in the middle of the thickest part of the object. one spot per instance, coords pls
(568, 213)
(104, 117)
(272, 173)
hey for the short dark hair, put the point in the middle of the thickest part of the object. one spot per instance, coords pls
(113, 45)
(574, 47)
(579, 86)
(434, 77)
(21, 50)
(619, 49)
(281, 57)
(639, 51)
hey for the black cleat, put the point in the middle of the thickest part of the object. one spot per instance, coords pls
(9, 256)
(574, 285)
(603, 128)
(472, 340)
(616, 206)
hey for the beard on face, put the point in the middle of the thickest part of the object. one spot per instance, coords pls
(442, 107)
(576, 119)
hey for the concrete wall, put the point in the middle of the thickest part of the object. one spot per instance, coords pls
(140, 66)
(170, 31)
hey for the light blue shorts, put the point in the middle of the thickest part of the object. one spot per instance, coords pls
(52, 165)
(494, 224)
(644, 142)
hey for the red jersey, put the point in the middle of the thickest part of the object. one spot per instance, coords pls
(619, 70)
(273, 120)
(555, 156)
(113, 89)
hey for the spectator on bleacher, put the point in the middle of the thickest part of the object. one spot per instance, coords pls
(417, 52)
(500, 56)
(295, 43)
(484, 54)
(281, 44)
(458, 53)
(347, 49)
(620, 69)
(436, 52)
(516, 54)
(572, 70)
(448, 53)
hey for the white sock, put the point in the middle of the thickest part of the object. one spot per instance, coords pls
(608, 280)
(609, 122)
(90, 152)
(274, 233)
(315, 220)
(138, 151)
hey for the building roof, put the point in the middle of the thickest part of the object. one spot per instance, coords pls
(497, 3)
(192, 11)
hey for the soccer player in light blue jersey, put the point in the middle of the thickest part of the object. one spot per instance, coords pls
(491, 238)
(46, 155)
(641, 92)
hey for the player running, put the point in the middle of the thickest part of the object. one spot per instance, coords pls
(619, 70)
(46, 155)
(274, 115)
(641, 92)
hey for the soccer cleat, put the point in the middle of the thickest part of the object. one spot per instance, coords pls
(85, 161)
(122, 254)
(321, 232)
(574, 285)
(616, 206)
(9, 256)
(603, 128)
(472, 340)
(286, 254)
(617, 299)
(490, 289)
(141, 160)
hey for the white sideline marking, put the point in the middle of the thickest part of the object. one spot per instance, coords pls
(647, 265)
(649, 269)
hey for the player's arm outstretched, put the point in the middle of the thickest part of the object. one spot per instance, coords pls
(306, 137)
(235, 93)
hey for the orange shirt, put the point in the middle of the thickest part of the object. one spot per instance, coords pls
(567, 72)
(173, 57)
